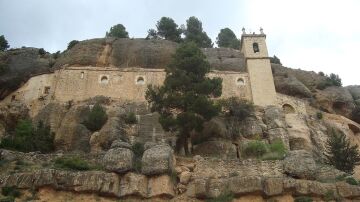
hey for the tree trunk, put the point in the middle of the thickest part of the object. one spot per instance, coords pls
(186, 146)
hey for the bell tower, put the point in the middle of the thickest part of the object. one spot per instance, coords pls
(258, 66)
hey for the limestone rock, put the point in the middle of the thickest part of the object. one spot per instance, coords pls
(161, 186)
(216, 148)
(279, 133)
(216, 187)
(158, 160)
(300, 164)
(291, 86)
(346, 190)
(120, 144)
(243, 185)
(274, 117)
(10, 114)
(273, 186)
(133, 184)
(299, 132)
(185, 177)
(118, 160)
(251, 127)
(197, 189)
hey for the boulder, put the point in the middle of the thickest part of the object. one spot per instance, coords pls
(279, 134)
(274, 117)
(120, 144)
(109, 133)
(251, 128)
(348, 191)
(161, 186)
(158, 160)
(197, 189)
(133, 184)
(300, 164)
(273, 186)
(244, 185)
(291, 86)
(119, 160)
(216, 187)
(185, 177)
(217, 148)
(299, 132)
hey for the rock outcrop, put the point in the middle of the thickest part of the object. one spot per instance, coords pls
(158, 159)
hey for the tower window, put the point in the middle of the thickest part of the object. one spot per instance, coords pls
(256, 47)
(104, 80)
(140, 80)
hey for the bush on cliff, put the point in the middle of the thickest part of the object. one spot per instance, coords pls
(27, 138)
(96, 118)
(72, 163)
(340, 153)
(259, 149)
(237, 108)
(130, 118)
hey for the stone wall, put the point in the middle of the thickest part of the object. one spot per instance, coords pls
(297, 104)
(81, 83)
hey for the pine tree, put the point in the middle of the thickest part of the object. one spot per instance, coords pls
(183, 102)
(340, 153)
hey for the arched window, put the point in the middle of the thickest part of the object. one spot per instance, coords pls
(140, 80)
(288, 109)
(256, 47)
(104, 80)
(240, 82)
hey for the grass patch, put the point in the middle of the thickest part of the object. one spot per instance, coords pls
(138, 149)
(72, 163)
(224, 197)
(264, 151)
(130, 118)
(303, 199)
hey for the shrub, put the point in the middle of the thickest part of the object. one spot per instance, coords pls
(27, 139)
(255, 149)
(138, 149)
(332, 80)
(351, 180)
(42, 51)
(56, 55)
(130, 118)
(303, 199)
(10, 191)
(71, 163)
(237, 108)
(72, 44)
(224, 197)
(319, 115)
(340, 153)
(96, 118)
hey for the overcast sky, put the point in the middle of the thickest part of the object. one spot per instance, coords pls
(321, 35)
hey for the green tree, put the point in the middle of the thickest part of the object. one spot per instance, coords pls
(227, 38)
(340, 153)
(194, 32)
(96, 118)
(335, 79)
(168, 29)
(152, 34)
(3, 43)
(183, 101)
(72, 44)
(275, 60)
(27, 138)
(118, 31)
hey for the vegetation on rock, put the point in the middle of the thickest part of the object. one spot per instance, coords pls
(10, 193)
(27, 138)
(71, 163)
(118, 31)
(194, 32)
(340, 153)
(355, 115)
(227, 38)
(332, 80)
(275, 60)
(138, 149)
(130, 118)
(183, 101)
(259, 149)
(238, 108)
(96, 118)
(3, 43)
(72, 44)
